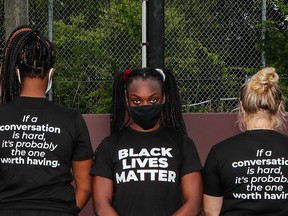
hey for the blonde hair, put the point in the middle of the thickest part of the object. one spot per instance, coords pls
(262, 93)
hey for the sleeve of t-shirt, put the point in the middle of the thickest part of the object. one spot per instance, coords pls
(211, 179)
(103, 165)
(82, 144)
(190, 158)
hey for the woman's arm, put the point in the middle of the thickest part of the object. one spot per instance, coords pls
(102, 196)
(83, 181)
(192, 192)
(212, 205)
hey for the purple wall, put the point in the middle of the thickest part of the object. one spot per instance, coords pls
(206, 129)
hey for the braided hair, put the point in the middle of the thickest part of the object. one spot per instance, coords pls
(172, 114)
(27, 50)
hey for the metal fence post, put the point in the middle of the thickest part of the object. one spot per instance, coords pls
(144, 33)
(16, 14)
(156, 33)
(263, 31)
(50, 36)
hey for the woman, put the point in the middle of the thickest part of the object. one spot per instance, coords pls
(40, 141)
(247, 174)
(138, 169)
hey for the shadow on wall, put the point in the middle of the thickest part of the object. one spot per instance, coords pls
(206, 129)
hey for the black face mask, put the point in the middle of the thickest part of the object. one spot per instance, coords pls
(146, 116)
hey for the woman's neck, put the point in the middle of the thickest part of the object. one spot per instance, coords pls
(33, 87)
(259, 120)
(138, 128)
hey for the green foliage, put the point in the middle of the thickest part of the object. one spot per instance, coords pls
(100, 99)
(75, 73)
(275, 43)
(275, 46)
(89, 54)
(207, 45)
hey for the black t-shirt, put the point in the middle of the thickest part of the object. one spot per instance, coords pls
(146, 168)
(38, 142)
(250, 171)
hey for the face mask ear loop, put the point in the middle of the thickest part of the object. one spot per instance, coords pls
(49, 85)
(18, 75)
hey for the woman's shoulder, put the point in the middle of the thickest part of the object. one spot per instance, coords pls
(172, 132)
(63, 109)
(230, 142)
(248, 139)
(113, 137)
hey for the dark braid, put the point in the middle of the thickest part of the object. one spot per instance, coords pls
(172, 109)
(27, 50)
(119, 103)
(172, 115)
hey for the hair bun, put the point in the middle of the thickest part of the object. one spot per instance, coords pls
(269, 76)
(264, 79)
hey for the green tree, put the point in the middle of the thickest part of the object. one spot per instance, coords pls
(206, 45)
(275, 43)
(88, 55)
(210, 45)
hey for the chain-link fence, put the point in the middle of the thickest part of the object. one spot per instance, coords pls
(211, 46)
(214, 45)
(94, 40)
(2, 28)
